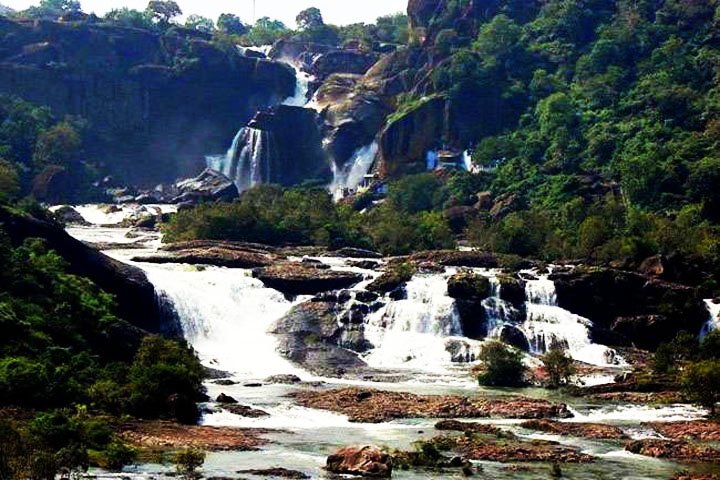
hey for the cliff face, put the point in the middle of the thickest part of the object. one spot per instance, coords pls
(155, 104)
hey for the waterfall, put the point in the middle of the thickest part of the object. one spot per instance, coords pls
(414, 332)
(713, 322)
(248, 161)
(547, 324)
(224, 315)
(302, 88)
(350, 176)
(498, 312)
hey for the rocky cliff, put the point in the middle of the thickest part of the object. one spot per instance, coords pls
(155, 104)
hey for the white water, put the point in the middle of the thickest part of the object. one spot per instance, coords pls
(414, 333)
(713, 322)
(248, 160)
(225, 315)
(548, 324)
(349, 176)
(302, 88)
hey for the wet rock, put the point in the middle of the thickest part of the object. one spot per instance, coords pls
(69, 216)
(515, 337)
(225, 382)
(222, 398)
(584, 430)
(245, 411)
(456, 258)
(277, 472)
(367, 461)
(366, 296)
(381, 406)
(512, 290)
(293, 278)
(703, 430)
(343, 61)
(310, 335)
(365, 264)
(284, 379)
(209, 186)
(349, 252)
(673, 449)
(169, 435)
(468, 286)
(395, 276)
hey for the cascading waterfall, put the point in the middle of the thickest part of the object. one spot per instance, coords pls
(302, 87)
(713, 322)
(413, 333)
(248, 161)
(349, 177)
(225, 315)
(547, 324)
(498, 312)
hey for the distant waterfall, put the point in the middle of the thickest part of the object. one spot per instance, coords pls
(547, 324)
(350, 176)
(414, 332)
(248, 161)
(713, 322)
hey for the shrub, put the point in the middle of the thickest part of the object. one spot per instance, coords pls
(701, 383)
(118, 455)
(559, 367)
(503, 366)
(188, 461)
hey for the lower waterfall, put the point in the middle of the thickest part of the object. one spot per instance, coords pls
(225, 314)
(414, 332)
(547, 324)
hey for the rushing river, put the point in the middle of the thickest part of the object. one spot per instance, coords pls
(225, 315)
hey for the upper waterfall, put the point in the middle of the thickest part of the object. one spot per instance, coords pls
(713, 322)
(349, 176)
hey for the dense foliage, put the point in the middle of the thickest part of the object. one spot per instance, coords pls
(65, 354)
(273, 215)
(502, 366)
(600, 120)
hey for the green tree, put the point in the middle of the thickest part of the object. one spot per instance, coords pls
(559, 367)
(62, 6)
(502, 366)
(309, 19)
(701, 383)
(59, 145)
(130, 18)
(163, 11)
(231, 24)
(266, 31)
(9, 181)
(200, 23)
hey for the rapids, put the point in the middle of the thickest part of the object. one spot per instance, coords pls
(225, 314)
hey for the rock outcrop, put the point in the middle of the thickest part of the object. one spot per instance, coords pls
(135, 295)
(630, 308)
(155, 104)
(292, 278)
(209, 186)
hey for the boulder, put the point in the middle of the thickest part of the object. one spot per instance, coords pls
(468, 286)
(512, 290)
(292, 278)
(628, 308)
(367, 461)
(227, 399)
(342, 61)
(69, 216)
(219, 254)
(310, 335)
(209, 186)
(515, 337)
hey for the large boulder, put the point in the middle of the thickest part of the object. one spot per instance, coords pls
(135, 295)
(343, 61)
(311, 336)
(630, 308)
(367, 461)
(466, 285)
(209, 186)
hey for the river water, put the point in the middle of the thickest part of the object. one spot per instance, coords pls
(225, 315)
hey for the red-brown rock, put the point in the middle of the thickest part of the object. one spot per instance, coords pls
(367, 461)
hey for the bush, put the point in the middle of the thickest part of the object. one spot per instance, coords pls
(701, 383)
(503, 366)
(559, 367)
(188, 461)
(118, 455)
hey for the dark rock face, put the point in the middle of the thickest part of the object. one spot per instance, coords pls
(134, 293)
(296, 152)
(310, 335)
(630, 308)
(152, 119)
(515, 337)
